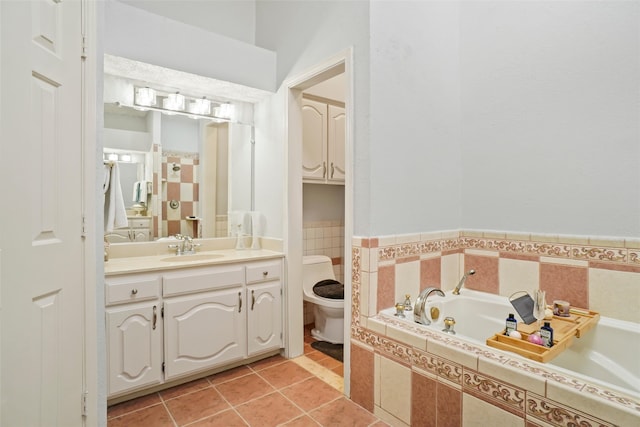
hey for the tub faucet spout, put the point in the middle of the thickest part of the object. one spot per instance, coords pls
(456, 291)
(419, 315)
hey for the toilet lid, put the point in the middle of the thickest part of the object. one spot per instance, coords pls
(329, 288)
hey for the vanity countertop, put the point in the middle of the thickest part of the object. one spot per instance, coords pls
(141, 264)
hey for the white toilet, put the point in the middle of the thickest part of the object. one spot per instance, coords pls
(328, 312)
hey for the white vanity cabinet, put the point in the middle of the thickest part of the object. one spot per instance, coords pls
(264, 311)
(323, 142)
(182, 322)
(134, 332)
(138, 230)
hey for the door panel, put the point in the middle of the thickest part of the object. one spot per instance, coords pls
(204, 331)
(41, 177)
(337, 129)
(314, 140)
(264, 317)
(135, 347)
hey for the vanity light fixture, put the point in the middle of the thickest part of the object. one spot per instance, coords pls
(125, 157)
(145, 96)
(201, 106)
(112, 157)
(174, 102)
(224, 111)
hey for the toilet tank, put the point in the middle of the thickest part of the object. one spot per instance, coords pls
(316, 268)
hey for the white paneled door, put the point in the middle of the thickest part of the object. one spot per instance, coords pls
(41, 248)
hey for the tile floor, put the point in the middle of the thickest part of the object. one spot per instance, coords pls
(305, 391)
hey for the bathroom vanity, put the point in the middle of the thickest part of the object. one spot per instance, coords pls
(172, 317)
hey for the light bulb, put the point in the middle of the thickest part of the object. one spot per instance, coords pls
(145, 96)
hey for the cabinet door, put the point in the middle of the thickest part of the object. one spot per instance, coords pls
(204, 331)
(335, 144)
(264, 317)
(141, 234)
(118, 236)
(314, 140)
(134, 343)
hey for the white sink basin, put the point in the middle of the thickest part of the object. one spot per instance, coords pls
(189, 258)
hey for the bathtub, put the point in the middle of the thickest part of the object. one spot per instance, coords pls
(607, 355)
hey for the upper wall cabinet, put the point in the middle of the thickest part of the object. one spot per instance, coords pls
(323, 136)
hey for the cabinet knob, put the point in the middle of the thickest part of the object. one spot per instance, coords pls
(134, 291)
(265, 273)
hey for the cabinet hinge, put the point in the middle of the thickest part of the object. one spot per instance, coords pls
(83, 229)
(163, 367)
(162, 311)
(84, 403)
(83, 53)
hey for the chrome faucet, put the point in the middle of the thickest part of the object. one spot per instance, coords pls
(186, 245)
(419, 315)
(456, 291)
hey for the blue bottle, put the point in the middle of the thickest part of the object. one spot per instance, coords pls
(546, 333)
(511, 324)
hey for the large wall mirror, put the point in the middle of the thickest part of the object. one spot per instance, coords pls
(178, 173)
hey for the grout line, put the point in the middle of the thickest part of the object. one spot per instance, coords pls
(166, 408)
(137, 409)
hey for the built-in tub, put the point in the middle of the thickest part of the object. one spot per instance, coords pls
(607, 355)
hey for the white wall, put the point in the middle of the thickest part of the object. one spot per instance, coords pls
(230, 18)
(518, 116)
(304, 34)
(179, 133)
(270, 177)
(322, 202)
(551, 117)
(414, 139)
(136, 34)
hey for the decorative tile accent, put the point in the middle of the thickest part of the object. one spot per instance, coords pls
(612, 397)
(425, 361)
(551, 412)
(450, 371)
(524, 365)
(494, 390)
(416, 248)
(599, 254)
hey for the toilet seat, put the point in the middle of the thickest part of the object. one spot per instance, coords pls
(330, 289)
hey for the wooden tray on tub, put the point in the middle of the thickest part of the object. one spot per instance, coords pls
(565, 329)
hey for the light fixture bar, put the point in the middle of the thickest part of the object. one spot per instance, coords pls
(175, 103)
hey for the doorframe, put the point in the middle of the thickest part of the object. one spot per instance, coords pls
(338, 64)
(94, 404)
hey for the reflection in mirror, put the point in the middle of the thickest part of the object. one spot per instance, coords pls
(185, 164)
(198, 170)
